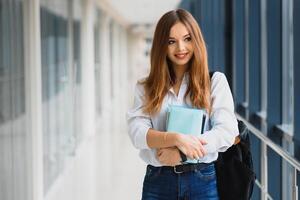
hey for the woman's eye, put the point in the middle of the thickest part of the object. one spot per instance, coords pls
(171, 42)
(188, 39)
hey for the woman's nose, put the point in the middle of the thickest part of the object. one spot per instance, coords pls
(181, 45)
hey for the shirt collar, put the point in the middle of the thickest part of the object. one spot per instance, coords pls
(186, 78)
(185, 81)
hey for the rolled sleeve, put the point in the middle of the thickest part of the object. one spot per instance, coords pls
(138, 122)
(223, 121)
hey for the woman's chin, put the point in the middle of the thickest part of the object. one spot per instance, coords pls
(180, 64)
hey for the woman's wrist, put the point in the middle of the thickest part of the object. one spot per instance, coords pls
(173, 138)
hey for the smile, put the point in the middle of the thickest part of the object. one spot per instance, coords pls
(181, 55)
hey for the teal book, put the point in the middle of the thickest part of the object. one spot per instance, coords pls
(189, 121)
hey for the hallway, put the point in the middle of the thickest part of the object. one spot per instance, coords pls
(67, 74)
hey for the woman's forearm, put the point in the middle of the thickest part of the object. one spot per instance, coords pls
(160, 139)
(190, 145)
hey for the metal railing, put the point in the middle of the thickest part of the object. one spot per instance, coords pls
(266, 142)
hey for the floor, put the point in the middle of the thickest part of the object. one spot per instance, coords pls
(106, 166)
(121, 171)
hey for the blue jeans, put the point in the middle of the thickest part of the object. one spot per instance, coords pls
(161, 184)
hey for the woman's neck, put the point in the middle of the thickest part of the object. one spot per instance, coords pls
(179, 72)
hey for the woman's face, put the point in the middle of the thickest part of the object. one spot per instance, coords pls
(180, 46)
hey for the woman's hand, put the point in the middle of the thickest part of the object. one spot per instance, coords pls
(169, 156)
(191, 146)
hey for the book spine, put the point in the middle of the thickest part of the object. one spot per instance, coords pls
(203, 123)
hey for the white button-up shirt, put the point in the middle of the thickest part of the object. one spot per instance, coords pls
(220, 128)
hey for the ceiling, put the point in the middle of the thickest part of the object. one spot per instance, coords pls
(141, 12)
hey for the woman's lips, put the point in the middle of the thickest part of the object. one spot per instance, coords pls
(181, 55)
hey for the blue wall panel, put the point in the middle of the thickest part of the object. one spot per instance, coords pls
(274, 62)
(274, 91)
(239, 51)
(254, 56)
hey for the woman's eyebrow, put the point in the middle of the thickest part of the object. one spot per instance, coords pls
(183, 36)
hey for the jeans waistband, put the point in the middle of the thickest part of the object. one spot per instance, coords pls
(178, 169)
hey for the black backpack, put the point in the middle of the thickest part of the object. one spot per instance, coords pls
(234, 168)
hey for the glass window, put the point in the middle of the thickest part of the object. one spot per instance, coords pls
(54, 37)
(61, 81)
(76, 41)
(13, 154)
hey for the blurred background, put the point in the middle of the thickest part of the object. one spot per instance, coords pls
(67, 73)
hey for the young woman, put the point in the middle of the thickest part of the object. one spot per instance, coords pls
(179, 75)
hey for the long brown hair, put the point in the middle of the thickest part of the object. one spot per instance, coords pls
(162, 75)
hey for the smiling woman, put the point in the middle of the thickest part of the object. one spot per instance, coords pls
(179, 76)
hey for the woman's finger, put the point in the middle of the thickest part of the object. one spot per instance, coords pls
(203, 142)
(202, 149)
(190, 155)
(198, 153)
